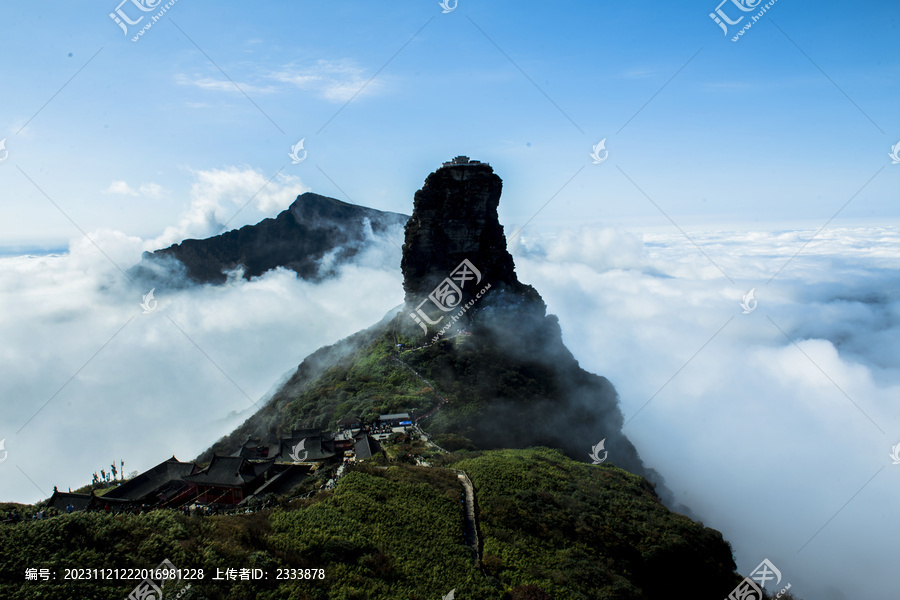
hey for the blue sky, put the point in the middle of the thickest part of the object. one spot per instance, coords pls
(744, 133)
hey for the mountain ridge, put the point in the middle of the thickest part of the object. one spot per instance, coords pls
(299, 238)
(484, 369)
(505, 374)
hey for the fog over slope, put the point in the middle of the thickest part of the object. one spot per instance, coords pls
(766, 440)
(759, 436)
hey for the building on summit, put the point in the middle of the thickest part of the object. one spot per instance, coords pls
(394, 420)
(463, 161)
(158, 486)
(228, 480)
(306, 445)
(65, 502)
(254, 469)
(254, 449)
(365, 446)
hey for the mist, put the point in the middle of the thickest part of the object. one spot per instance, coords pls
(782, 444)
(782, 447)
(90, 376)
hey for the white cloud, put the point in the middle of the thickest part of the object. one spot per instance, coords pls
(748, 431)
(120, 187)
(222, 85)
(150, 190)
(764, 440)
(335, 80)
(598, 249)
(147, 386)
(224, 199)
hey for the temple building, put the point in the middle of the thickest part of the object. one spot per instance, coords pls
(253, 470)
(228, 480)
(462, 161)
(162, 485)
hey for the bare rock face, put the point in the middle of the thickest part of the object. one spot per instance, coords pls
(527, 388)
(297, 239)
(455, 219)
(496, 354)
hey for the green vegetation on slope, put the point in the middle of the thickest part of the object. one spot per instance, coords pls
(356, 377)
(514, 388)
(368, 383)
(580, 531)
(394, 533)
(551, 527)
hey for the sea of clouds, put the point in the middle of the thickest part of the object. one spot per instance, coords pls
(774, 427)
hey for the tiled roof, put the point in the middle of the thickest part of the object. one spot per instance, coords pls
(366, 447)
(284, 481)
(231, 471)
(153, 479)
(60, 500)
(314, 448)
(309, 433)
(392, 416)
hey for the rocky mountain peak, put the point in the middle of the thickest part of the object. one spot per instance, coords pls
(455, 219)
(298, 238)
